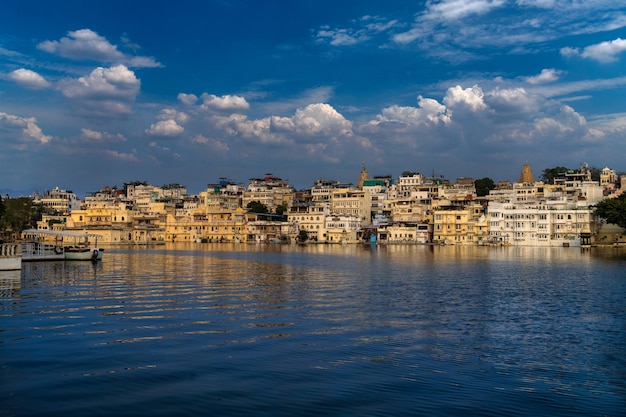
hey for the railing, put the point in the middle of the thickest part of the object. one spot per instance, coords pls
(10, 250)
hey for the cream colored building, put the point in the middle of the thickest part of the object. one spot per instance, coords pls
(309, 217)
(405, 233)
(340, 228)
(212, 226)
(351, 202)
(460, 225)
(270, 191)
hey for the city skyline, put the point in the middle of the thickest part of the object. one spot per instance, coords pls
(189, 93)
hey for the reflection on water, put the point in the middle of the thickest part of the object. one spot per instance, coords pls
(318, 329)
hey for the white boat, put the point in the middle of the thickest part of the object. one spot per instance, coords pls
(47, 245)
(10, 256)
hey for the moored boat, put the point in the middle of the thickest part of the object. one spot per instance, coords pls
(82, 253)
(47, 245)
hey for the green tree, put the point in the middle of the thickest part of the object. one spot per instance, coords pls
(19, 214)
(483, 186)
(280, 210)
(613, 210)
(549, 174)
(257, 207)
(303, 235)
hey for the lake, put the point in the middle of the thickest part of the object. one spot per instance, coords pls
(289, 330)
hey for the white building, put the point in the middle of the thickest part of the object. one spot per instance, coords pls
(542, 223)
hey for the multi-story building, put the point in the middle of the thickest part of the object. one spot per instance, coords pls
(342, 228)
(309, 216)
(460, 225)
(540, 223)
(60, 201)
(351, 202)
(270, 191)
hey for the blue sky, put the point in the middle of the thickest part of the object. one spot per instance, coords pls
(95, 94)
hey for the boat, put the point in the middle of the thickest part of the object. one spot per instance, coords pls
(82, 253)
(10, 256)
(48, 245)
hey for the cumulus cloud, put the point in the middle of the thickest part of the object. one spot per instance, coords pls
(428, 111)
(105, 91)
(166, 128)
(179, 117)
(29, 79)
(85, 44)
(187, 99)
(605, 52)
(29, 130)
(224, 103)
(473, 97)
(318, 122)
(511, 101)
(546, 76)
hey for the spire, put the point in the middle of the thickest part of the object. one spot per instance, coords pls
(527, 175)
(363, 176)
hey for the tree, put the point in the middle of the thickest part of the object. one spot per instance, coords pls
(19, 214)
(257, 207)
(483, 186)
(303, 235)
(549, 174)
(280, 210)
(613, 210)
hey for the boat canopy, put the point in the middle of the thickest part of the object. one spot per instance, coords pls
(55, 233)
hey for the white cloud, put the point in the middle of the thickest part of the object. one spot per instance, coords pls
(458, 9)
(95, 136)
(470, 97)
(85, 44)
(30, 131)
(511, 101)
(187, 99)
(224, 103)
(340, 37)
(165, 128)
(321, 118)
(605, 52)
(212, 144)
(28, 78)
(429, 111)
(568, 51)
(365, 29)
(313, 123)
(105, 91)
(179, 117)
(546, 76)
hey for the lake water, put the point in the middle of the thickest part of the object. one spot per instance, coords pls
(271, 330)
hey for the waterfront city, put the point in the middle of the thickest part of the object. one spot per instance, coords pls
(409, 209)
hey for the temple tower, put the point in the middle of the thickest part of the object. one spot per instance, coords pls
(363, 176)
(527, 175)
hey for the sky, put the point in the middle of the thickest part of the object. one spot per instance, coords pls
(96, 94)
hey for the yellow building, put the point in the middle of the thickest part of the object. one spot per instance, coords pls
(460, 225)
(118, 225)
